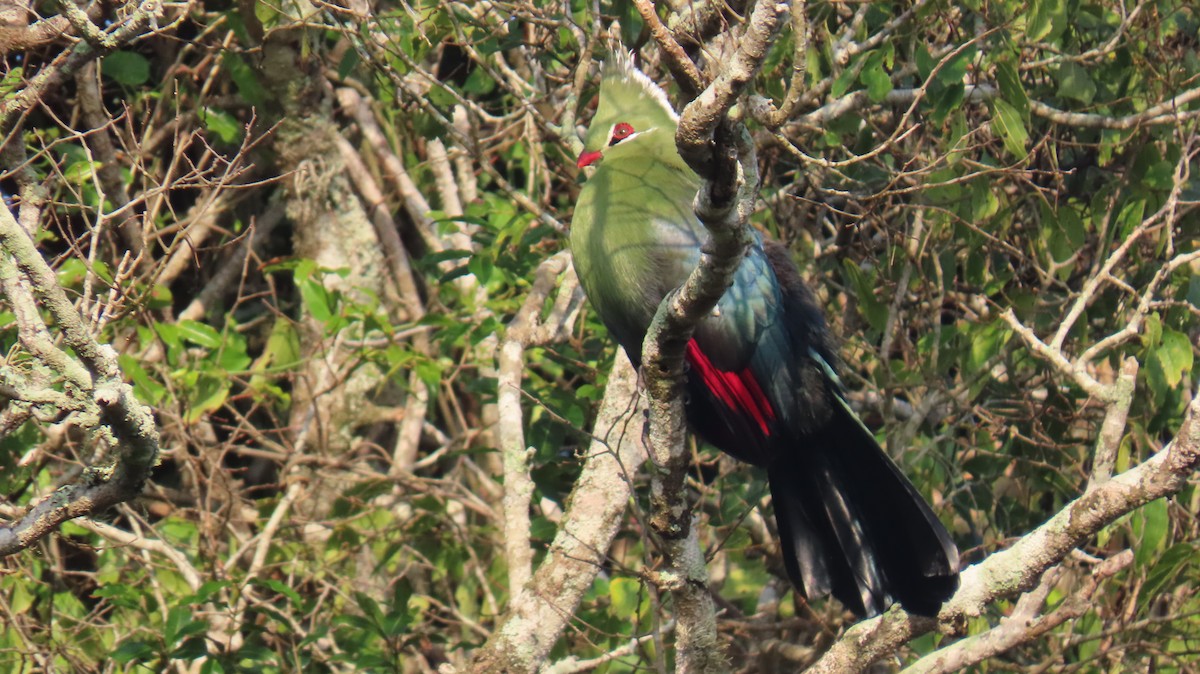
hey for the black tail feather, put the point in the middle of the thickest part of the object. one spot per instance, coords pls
(852, 525)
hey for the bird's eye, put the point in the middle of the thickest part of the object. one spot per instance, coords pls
(620, 132)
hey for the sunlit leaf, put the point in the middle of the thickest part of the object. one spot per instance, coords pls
(1007, 123)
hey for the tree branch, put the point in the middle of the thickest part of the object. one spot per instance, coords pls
(523, 332)
(1112, 429)
(723, 155)
(700, 118)
(131, 26)
(1024, 624)
(593, 515)
(1166, 112)
(130, 423)
(1019, 568)
(690, 81)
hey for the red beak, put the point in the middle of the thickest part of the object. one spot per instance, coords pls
(588, 158)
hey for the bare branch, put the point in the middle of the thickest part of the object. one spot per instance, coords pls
(1077, 371)
(131, 26)
(1112, 429)
(130, 423)
(593, 515)
(1019, 568)
(518, 485)
(1026, 622)
(690, 80)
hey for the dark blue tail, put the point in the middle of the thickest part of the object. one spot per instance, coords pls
(852, 525)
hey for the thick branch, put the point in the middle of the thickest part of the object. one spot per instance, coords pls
(1024, 624)
(690, 81)
(594, 513)
(16, 242)
(522, 333)
(722, 154)
(95, 492)
(1019, 568)
(1167, 112)
(699, 121)
(130, 422)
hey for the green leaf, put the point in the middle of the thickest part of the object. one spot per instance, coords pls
(1193, 291)
(1130, 216)
(81, 172)
(440, 97)
(625, 594)
(1163, 574)
(350, 61)
(1152, 333)
(222, 125)
(925, 62)
(479, 83)
(169, 334)
(119, 594)
(209, 394)
(1011, 89)
(159, 297)
(232, 356)
(126, 67)
(21, 597)
(481, 266)
(1060, 246)
(1159, 175)
(846, 78)
(146, 388)
(177, 620)
(200, 334)
(1007, 122)
(1075, 83)
(317, 300)
(986, 343)
(1174, 356)
(208, 591)
(863, 282)
(954, 70)
(178, 530)
(374, 614)
(283, 348)
(429, 371)
(984, 202)
(1154, 525)
(949, 100)
(956, 149)
(1072, 226)
(131, 651)
(192, 648)
(244, 77)
(12, 81)
(281, 589)
(1048, 16)
(875, 77)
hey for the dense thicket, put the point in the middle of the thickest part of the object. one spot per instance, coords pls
(325, 244)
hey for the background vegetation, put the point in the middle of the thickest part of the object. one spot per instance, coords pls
(325, 243)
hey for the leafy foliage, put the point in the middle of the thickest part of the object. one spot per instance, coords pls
(329, 492)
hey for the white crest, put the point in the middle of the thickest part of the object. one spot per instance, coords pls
(622, 62)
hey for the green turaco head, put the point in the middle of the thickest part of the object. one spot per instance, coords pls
(634, 117)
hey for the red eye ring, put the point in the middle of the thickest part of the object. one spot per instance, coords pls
(620, 132)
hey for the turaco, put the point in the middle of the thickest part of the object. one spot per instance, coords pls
(761, 381)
